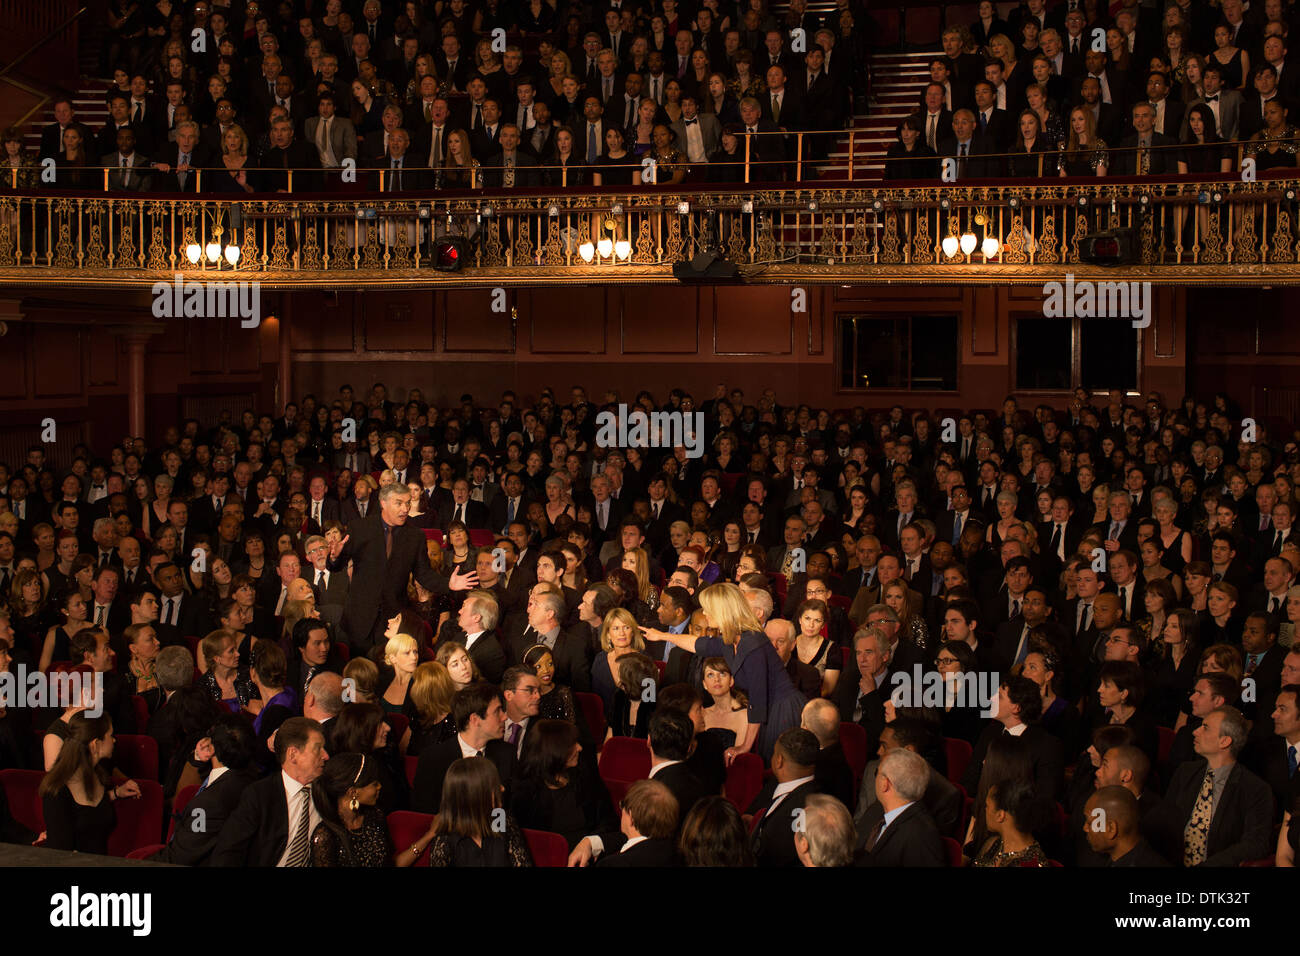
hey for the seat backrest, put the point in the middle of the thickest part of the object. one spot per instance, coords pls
(411, 764)
(481, 537)
(179, 802)
(953, 849)
(397, 724)
(853, 738)
(342, 651)
(20, 788)
(144, 852)
(1165, 743)
(547, 849)
(593, 712)
(744, 780)
(624, 759)
(140, 708)
(136, 755)
(139, 819)
(959, 753)
(407, 826)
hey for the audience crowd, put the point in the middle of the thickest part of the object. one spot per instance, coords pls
(479, 636)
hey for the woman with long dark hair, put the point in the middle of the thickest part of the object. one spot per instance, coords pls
(909, 157)
(473, 827)
(77, 794)
(554, 789)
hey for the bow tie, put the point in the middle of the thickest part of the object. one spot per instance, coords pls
(1212, 99)
(691, 122)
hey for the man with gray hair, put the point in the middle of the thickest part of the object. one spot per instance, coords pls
(782, 635)
(1215, 812)
(323, 701)
(476, 627)
(904, 835)
(861, 697)
(174, 669)
(759, 601)
(827, 835)
(104, 533)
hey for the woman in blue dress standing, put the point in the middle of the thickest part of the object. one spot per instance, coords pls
(775, 704)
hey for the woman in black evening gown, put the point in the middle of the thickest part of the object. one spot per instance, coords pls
(77, 794)
(352, 830)
(556, 787)
(468, 831)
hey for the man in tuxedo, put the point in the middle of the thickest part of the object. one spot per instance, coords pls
(174, 169)
(475, 627)
(1215, 811)
(52, 134)
(794, 760)
(480, 715)
(698, 134)
(995, 125)
(650, 818)
(935, 118)
(385, 552)
(1020, 704)
(966, 145)
(180, 614)
(1146, 152)
(832, 771)
(284, 154)
(275, 817)
(130, 171)
(231, 748)
(766, 151)
(1252, 110)
(902, 833)
(472, 514)
(511, 166)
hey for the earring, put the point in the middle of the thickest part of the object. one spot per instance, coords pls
(354, 804)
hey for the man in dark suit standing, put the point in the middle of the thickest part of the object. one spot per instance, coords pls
(275, 817)
(794, 760)
(901, 831)
(480, 725)
(230, 745)
(1215, 812)
(385, 552)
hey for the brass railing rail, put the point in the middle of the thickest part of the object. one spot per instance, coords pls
(1189, 229)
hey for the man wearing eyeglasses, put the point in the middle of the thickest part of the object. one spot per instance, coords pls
(330, 587)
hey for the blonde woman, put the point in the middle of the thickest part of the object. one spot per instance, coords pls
(402, 655)
(619, 634)
(432, 722)
(775, 704)
(638, 562)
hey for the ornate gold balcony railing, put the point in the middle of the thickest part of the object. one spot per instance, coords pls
(1189, 232)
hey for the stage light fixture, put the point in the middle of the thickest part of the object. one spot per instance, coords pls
(450, 253)
(950, 245)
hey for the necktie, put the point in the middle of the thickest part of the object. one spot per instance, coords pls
(1023, 650)
(388, 541)
(435, 148)
(930, 126)
(1291, 760)
(1015, 608)
(320, 578)
(776, 109)
(478, 117)
(99, 615)
(460, 513)
(1273, 603)
(103, 558)
(1263, 522)
(315, 512)
(656, 510)
(513, 737)
(1056, 541)
(138, 113)
(1123, 601)
(608, 87)
(961, 161)
(956, 528)
(298, 848)
(984, 121)
(1085, 616)
(1277, 543)
(874, 836)
(1074, 44)
(592, 151)
(284, 595)
(1114, 531)
(753, 537)
(126, 173)
(1252, 661)
(604, 514)
(1196, 835)
(4, 580)
(167, 611)
(510, 510)
(395, 183)
(182, 177)
(693, 122)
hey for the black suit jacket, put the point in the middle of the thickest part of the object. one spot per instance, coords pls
(1164, 159)
(526, 175)
(426, 794)
(257, 832)
(1242, 826)
(833, 775)
(572, 668)
(1045, 755)
(378, 587)
(487, 651)
(203, 819)
(773, 838)
(685, 786)
(912, 840)
(476, 514)
(646, 853)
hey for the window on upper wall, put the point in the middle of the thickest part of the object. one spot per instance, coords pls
(1062, 354)
(898, 352)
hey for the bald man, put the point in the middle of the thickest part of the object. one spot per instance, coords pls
(1110, 823)
(832, 771)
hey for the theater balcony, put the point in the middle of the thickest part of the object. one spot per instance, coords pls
(1181, 231)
